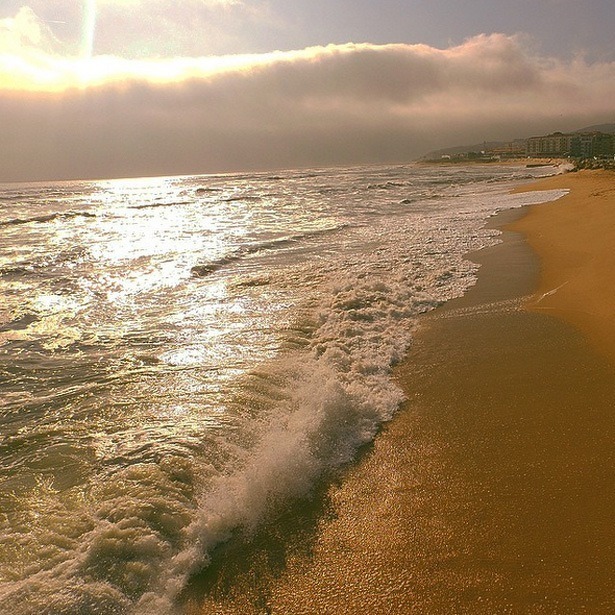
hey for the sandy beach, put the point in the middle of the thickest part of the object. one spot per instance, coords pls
(492, 491)
(574, 240)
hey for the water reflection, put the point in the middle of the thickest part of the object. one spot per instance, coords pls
(118, 353)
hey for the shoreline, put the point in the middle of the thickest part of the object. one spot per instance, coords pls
(513, 162)
(573, 236)
(491, 491)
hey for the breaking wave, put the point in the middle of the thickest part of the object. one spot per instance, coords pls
(279, 243)
(48, 218)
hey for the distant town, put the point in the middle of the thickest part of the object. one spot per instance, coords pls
(587, 148)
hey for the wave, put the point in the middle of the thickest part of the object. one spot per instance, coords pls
(200, 271)
(44, 264)
(243, 197)
(16, 271)
(153, 525)
(16, 196)
(201, 191)
(155, 205)
(274, 244)
(389, 185)
(326, 190)
(18, 324)
(212, 266)
(137, 547)
(338, 393)
(48, 218)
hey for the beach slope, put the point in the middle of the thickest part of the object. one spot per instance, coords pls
(575, 238)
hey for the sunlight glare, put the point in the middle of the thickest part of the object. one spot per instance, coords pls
(89, 27)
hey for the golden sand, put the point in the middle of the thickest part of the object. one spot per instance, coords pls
(575, 240)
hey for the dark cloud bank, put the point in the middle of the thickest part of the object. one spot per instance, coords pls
(333, 105)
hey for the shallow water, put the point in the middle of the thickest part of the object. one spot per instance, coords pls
(181, 357)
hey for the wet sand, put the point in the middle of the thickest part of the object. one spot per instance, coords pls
(491, 492)
(575, 238)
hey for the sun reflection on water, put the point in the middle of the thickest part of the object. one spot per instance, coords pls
(144, 360)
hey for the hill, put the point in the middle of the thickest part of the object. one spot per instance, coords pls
(608, 128)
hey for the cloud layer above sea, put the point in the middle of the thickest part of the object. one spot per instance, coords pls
(66, 116)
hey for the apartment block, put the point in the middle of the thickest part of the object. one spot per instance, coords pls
(576, 145)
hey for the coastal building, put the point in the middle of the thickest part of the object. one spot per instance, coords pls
(582, 146)
(514, 149)
(575, 145)
(604, 145)
(556, 144)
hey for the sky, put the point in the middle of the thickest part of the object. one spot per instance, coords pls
(127, 88)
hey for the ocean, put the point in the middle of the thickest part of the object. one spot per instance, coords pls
(183, 358)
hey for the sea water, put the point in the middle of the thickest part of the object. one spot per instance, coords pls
(182, 357)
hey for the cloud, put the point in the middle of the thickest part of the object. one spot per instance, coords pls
(338, 104)
(25, 32)
(136, 28)
(151, 28)
(203, 3)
